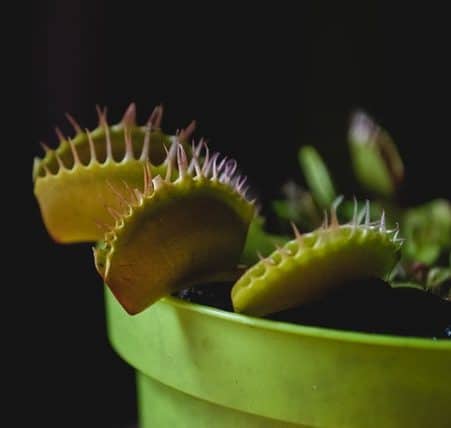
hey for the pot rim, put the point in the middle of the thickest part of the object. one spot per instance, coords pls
(317, 332)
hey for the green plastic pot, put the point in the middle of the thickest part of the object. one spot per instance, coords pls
(201, 367)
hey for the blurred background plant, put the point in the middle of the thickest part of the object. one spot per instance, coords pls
(379, 173)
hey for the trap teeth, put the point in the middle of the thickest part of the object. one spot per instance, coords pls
(323, 259)
(213, 216)
(70, 181)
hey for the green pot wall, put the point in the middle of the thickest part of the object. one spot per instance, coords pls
(201, 367)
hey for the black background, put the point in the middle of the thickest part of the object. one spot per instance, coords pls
(260, 83)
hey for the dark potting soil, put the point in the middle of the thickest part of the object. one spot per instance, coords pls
(215, 295)
(369, 305)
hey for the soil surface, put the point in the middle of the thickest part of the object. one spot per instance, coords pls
(369, 305)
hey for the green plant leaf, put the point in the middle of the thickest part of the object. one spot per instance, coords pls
(317, 176)
(375, 158)
(427, 229)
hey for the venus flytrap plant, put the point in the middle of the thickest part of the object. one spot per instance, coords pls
(73, 182)
(179, 231)
(379, 171)
(427, 227)
(176, 221)
(309, 266)
(375, 158)
(167, 216)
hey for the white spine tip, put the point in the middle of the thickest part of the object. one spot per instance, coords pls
(74, 123)
(156, 117)
(187, 132)
(382, 222)
(59, 134)
(171, 155)
(129, 118)
(240, 184)
(182, 161)
(46, 148)
(367, 213)
(354, 221)
(214, 175)
(296, 232)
